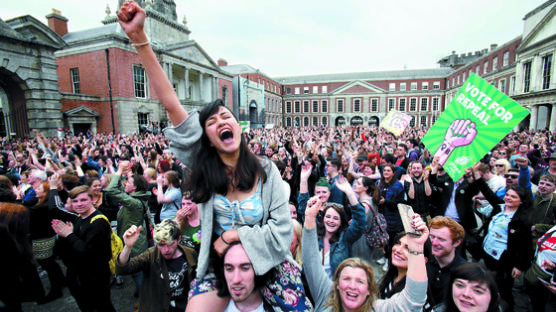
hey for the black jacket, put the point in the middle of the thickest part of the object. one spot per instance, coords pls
(519, 232)
(463, 200)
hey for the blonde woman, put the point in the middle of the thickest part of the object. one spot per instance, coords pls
(501, 166)
(353, 287)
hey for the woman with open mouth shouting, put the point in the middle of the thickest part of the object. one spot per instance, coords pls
(242, 197)
(353, 287)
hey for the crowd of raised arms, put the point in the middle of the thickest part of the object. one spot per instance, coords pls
(207, 218)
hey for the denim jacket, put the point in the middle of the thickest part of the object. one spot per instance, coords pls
(341, 250)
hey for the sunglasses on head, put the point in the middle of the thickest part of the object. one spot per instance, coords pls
(511, 176)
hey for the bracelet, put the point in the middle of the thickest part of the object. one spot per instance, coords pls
(140, 44)
(415, 252)
(222, 237)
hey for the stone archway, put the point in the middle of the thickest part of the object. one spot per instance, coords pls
(253, 114)
(340, 121)
(356, 121)
(13, 110)
(373, 121)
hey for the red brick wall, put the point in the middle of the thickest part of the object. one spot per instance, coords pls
(228, 84)
(104, 123)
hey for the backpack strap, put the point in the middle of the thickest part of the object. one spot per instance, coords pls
(101, 216)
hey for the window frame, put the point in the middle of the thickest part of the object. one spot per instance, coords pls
(373, 101)
(306, 107)
(390, 102)
(146, 118)
(426, 103)
(340, 103)
(527, 76)
(502, 83)
(404, 104)
(437, 104)
(413, 104)
(546, 71)
(421, 121)
(355, 102)
(137, 84)
(75, 80)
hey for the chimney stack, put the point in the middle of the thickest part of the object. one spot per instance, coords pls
(493, 46)
(57, 22)
(222, 62)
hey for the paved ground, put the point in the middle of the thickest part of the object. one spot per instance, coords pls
(122, 299)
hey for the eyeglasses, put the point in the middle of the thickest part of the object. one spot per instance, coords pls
(499, 165)
(511, 176)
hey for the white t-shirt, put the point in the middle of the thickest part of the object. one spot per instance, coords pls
(232, 308)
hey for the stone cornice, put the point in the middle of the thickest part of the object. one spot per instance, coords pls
(161, 18)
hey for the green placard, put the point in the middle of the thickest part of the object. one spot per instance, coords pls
(478, 117)
(245, 126)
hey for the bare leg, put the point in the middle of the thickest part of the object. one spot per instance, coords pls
(199, 303)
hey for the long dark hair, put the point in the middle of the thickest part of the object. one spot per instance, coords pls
(524, 196)
(393, 180)
(372, 189)
(209, 174)
(343, 219)
(391, 274)
(475, 272)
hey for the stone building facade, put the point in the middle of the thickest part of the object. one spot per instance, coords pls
(100, 70)
(93, 79)
(29, 97)
(535, 86)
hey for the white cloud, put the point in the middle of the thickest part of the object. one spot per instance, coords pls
(310, 37)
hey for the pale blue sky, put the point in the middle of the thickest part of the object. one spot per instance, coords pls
(283, 38)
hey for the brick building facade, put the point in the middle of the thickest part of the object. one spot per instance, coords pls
(363, 98)
(257, 97)
(93, 79)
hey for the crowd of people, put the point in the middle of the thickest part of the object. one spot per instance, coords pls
(285, 219)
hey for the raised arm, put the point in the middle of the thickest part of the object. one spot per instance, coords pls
(132, 19)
